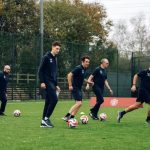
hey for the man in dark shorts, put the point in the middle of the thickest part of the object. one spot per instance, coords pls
(99, 77)
(75, 81)
(143, 94)
(48, 82)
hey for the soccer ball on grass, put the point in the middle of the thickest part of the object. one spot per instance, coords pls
(72, 123)
(17, 113)
(102, 117)
(84, 119)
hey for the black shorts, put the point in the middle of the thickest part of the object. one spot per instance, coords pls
(99, 93)
(77, 94)
(143, 96)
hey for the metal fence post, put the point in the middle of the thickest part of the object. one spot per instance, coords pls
(117, 71)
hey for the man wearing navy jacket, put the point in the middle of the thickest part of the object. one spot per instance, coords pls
(99, 77)
(3, 88)
(48, 82)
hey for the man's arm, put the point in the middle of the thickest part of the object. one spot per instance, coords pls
(89, 81)
(135, 79)
(41, 72)
(108, 87)
(70, 77)
(1, 73)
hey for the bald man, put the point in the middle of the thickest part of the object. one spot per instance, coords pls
(3, 88)
(99, 77)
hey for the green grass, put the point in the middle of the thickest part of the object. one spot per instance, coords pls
(24, 133)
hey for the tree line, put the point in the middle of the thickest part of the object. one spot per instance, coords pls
(82, 28)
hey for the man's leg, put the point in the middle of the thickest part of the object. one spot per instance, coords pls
(50, 103)
(77, 94)
(99, 101)
(74, 109)
(148, 116)
(45, 106)
(45, 122)
(3, 102)
(129, 109)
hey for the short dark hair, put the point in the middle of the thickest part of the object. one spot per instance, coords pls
(56, 43)
(85, 57)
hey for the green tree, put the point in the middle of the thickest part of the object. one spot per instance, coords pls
(75, 24)
(72, 20)
(20, 16)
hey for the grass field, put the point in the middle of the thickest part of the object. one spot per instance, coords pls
(24, 133)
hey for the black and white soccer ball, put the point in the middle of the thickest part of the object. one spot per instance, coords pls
(84, 119)
(17, 113)
(102, 117)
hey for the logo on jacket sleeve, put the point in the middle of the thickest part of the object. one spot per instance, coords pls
(50, 60)
(101, 72)
(82, 71)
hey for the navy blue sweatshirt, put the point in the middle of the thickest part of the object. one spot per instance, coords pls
(3, 81)
(99, 77)
(78, 76)
(48, 69)
(145, 79)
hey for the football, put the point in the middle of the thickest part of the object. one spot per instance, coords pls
(102, 117)
(84, 119)
(17, 113)
(72, 123)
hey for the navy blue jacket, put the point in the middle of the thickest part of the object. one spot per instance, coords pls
(48, 69)
(3, 81)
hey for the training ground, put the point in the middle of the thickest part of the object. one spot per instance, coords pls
(24, 133)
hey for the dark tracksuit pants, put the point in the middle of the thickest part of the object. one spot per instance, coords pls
(50, 100)
(99, 99)
(3, 99)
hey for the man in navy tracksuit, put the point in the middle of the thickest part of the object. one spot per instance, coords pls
(99, 77)
(48, 82)
(3, 88)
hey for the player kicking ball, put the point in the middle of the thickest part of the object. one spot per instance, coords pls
(75, 81)
(143, 94)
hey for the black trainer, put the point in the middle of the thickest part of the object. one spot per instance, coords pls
(119, 116)
(94, 117)
(47, 123)
(148, 122)
(2, 114)
(43, 125)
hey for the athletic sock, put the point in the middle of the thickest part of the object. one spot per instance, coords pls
(45, 118)
(72, 116)
(148, 118)
(67, 115)
(91, 110)
(123, 113)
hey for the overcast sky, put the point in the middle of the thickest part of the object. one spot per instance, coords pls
(125, 9)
